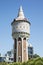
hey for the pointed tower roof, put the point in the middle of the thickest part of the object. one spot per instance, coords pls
(20, 14)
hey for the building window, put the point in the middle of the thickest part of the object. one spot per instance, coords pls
(11, 59)
(20, 26)
(19, 58)
(19, 39)
(31, 52)
(24, 39)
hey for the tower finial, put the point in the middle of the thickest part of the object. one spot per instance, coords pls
(20, 14)
(20, 9)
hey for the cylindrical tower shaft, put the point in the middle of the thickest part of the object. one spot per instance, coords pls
(20, 51)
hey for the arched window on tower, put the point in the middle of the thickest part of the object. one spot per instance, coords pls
(24, 39)
(19, 39)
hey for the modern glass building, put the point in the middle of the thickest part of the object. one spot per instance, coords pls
(30, 51)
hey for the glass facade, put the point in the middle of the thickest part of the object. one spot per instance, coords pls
(30, 52)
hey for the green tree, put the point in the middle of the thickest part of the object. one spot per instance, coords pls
(39, 62)
(35, 56)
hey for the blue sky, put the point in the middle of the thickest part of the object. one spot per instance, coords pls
(33, 10)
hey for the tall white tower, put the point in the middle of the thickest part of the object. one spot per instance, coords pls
(20, 34)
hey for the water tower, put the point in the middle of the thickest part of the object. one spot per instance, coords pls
(20, 34)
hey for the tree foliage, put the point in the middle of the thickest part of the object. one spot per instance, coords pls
(35, 56)
(35, 61)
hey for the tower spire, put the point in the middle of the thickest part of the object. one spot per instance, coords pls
(20, 9)
(20, 14)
